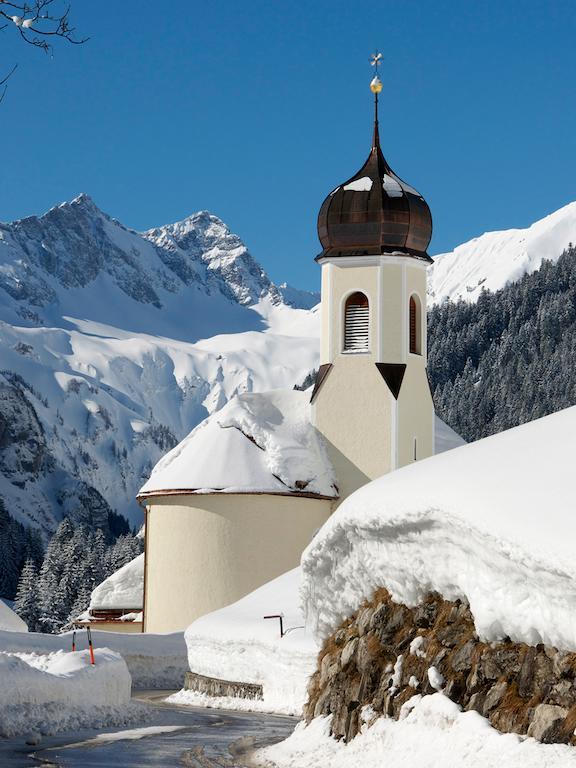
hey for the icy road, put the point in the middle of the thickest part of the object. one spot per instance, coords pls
(174, 736)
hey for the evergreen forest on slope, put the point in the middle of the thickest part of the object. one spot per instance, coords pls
(510, 357)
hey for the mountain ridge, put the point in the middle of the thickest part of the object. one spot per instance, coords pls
(114, 344)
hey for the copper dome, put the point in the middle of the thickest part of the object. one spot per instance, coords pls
(374, 212)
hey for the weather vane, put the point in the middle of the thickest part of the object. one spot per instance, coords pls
(376, 84)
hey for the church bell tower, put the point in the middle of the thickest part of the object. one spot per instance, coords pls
(371, 400)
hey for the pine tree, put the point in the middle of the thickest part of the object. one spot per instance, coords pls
(27, 601)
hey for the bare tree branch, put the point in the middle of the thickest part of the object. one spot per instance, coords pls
(3, 83)
(37, 23)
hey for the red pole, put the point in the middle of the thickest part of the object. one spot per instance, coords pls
(73, 641)
(92, 660)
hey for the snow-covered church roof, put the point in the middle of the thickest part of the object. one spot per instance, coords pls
(257, 443)
(10, 621)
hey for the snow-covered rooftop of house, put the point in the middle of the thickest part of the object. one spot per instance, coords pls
(9, 620)
(255, 443)
(493, 522)
(124, 589)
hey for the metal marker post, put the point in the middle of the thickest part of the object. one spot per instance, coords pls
(278, 616)
(92, 660)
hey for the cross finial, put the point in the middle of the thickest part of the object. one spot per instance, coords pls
(376, 87)
(376, 59)
(376, 84)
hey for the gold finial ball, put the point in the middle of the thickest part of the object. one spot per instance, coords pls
(376, 85)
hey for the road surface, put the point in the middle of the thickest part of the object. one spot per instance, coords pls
(174, 736)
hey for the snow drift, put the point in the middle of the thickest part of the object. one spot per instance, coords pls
(257, 442)
(433, 732)
(59, 691)
(153, 661)
(237, 643)
(492, 522)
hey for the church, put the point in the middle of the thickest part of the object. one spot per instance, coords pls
(236, 503)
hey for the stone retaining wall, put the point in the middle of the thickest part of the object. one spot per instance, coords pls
(213, 686)
(387, 653)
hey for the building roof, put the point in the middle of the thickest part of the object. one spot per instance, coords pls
(375, 212)
(122, 590)
(257, 443)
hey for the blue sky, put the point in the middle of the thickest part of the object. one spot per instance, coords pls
(256, 110)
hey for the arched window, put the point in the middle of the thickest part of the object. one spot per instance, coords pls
(415, 326)
(356, 323)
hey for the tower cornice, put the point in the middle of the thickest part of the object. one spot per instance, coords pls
(376, 260)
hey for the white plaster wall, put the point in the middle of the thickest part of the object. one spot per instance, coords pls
(415, 406)
(368, 432)
(354, 413)
(206, 551)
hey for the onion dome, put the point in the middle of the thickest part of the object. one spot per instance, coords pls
(375, 212)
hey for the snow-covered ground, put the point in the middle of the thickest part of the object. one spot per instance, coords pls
(154, 661)
(497, 258)
(10, 621)
(237, 643)
(59, 691)
(492, 522)
(257, 442)
(434, 733)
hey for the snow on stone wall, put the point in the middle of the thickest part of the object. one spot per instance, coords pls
(491, 522)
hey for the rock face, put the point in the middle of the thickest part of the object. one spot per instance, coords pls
(387, 653)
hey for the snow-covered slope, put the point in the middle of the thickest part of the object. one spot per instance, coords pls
(492, 521)
(497, 258)
(113, 345)
(10, 621)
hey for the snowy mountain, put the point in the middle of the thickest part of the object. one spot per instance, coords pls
(498, 258)
(114, 344)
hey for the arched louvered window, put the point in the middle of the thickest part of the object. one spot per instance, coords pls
(415, 323)
(356, 323)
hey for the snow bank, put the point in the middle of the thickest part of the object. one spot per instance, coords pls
(434, 732)
(59, 691)
(154, 661)
(123, 589)
(10, 621)
(257, 442)
(237, 643)
(492, 522)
